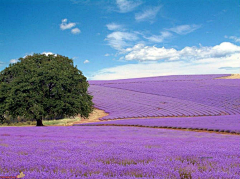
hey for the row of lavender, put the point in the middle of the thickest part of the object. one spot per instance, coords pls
(223, 94)
(230, 124)
(129, 104)
(197, 95)
(117, 152)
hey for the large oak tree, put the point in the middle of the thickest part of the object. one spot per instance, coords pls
(43, 86)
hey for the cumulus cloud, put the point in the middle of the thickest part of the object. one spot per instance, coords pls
(144, 53)
(147, 53)
(118, 40)
(154, 61)
(148, 14)
(114, 26)
(159, 38)
(185, 29)
(236, 39)
(214, 66)
(127, 5)
(13, 61)
(107, 55)
(86, 61)
(76, 31)
(64, 25)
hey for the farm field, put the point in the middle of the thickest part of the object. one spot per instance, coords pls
(168, 96)
(120, 89)
(128, 149)
(117, 152)
(229, 124)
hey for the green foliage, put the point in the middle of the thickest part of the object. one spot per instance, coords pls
(40, 87)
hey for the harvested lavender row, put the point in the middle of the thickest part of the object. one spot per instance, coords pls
(117, 152)
(229, 123)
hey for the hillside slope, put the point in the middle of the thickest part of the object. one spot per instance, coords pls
(167, 96)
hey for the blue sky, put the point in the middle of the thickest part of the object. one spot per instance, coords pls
(116, 39)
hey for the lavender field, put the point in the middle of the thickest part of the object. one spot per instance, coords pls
(229, 124)
(197, 102)
(169, 96)
(117, 152)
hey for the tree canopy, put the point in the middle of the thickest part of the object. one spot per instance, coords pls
(43, 86)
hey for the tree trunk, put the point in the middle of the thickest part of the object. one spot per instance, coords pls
(39, 122)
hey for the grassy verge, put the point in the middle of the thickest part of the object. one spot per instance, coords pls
(59, 122)
(93, 117)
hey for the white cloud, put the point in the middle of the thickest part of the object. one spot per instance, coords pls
(49, 53)
(135, 48)
(118, 40)
(127, 5)
(159, 38)
(86, 61)
(185, 29)
(76, 31)
(107, 55)
(214, 66)
(114, 26)
(236, 39)
(64, 25)
(148, 14)
(146, 53)
(219, 59)
(13, 61)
